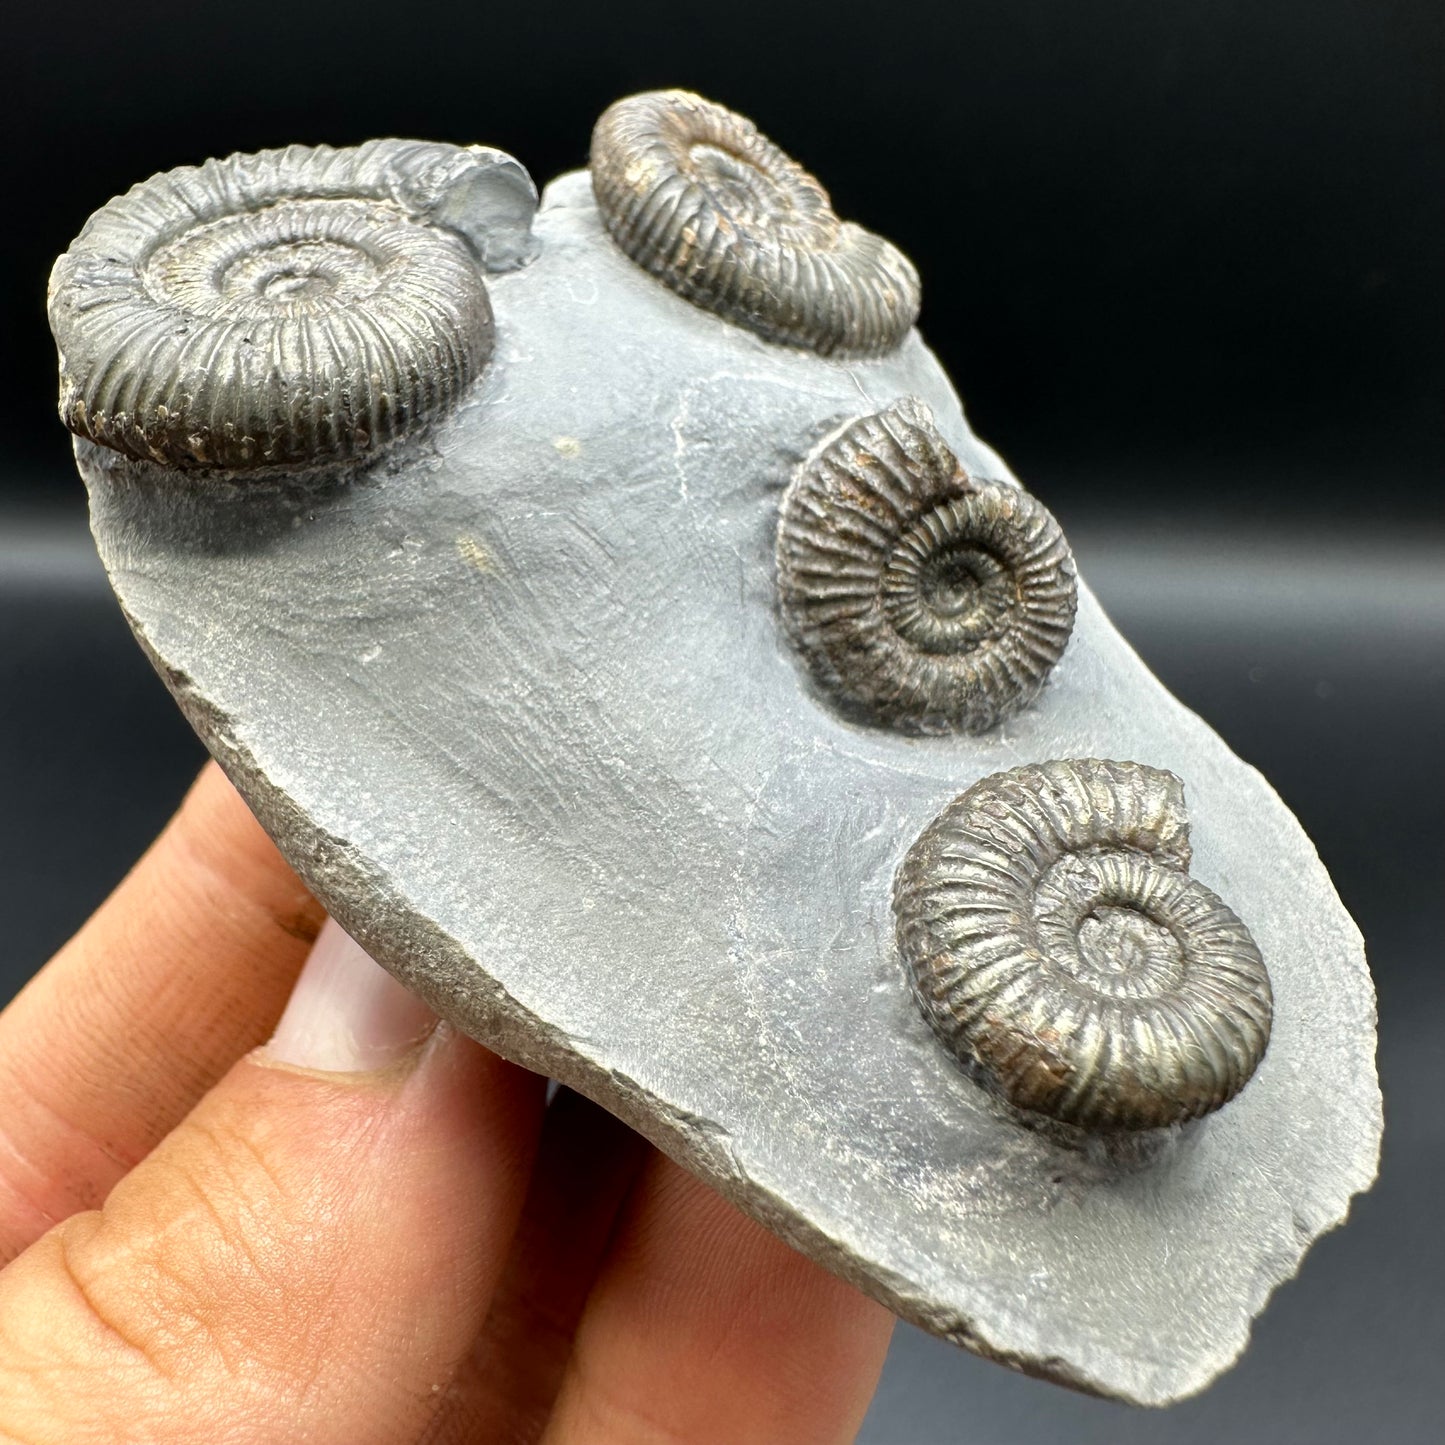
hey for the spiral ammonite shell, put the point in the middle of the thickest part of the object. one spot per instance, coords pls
(919, 597)
(695, 195)
(1062, 953)
(293, 306)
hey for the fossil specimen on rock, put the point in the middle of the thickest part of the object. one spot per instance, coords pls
(696, 196)
(689, 609)
(303, 305)
(920, 597)
(1060, 949)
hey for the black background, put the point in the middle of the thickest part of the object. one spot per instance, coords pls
(1183, 260)
(1200, 235)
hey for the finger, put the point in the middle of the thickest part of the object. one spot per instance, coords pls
(306, 1257)
(706, 1328)
(185, 967)
(504, 1390)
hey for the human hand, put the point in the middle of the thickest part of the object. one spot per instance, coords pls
(368, 1230)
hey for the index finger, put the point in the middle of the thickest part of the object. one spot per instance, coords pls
(184, 968)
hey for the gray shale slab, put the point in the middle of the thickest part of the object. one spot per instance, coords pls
(515, 702)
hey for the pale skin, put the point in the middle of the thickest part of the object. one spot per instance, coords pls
(206, 1236)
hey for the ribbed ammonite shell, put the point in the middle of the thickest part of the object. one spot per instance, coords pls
(293, 306)
(1061, 951)
(695, 195)
(919, 597)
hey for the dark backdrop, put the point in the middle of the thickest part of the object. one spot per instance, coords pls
(1183, 259)
(1194, 239)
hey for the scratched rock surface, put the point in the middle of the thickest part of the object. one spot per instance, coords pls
(516, 702)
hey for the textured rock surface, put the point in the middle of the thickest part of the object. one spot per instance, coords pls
(517, 704)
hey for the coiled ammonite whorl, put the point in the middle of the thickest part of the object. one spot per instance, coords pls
(1062, 953)
(695, 195)
(920, 597)
(293, 306)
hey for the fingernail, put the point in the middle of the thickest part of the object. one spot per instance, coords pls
(347, 1014)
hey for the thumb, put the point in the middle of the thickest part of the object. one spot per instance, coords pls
(306, 1257)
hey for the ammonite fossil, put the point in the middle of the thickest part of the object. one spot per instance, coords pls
(920, 597)
(291, 306)
(1061, 951)
(695, 195)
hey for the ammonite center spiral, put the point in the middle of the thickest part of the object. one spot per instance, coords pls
(290, 307)
(920, 598)
(1060, 950)
(297, 258)
(695, 195)
(762, 192)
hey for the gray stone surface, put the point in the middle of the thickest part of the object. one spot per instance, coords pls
(516, 703)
